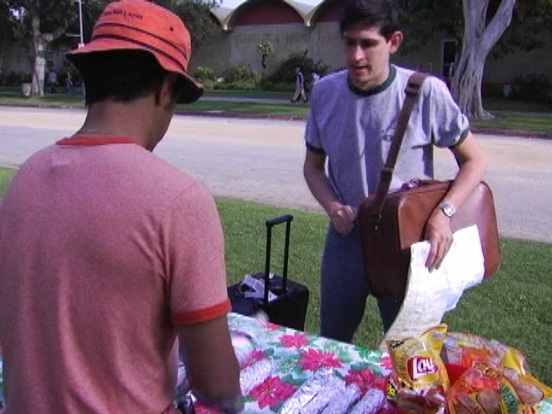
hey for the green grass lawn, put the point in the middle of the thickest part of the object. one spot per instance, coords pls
(5, 175)
(47, 101)
(517, 121)
(509, 114)
(512, 307)
(268, 109)
(256, 93)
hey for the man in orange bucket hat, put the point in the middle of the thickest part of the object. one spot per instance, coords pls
(112, 260)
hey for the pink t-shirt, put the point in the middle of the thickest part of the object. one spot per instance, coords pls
(105, 250)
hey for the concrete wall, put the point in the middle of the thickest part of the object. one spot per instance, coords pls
(322, 42)
(239, 47)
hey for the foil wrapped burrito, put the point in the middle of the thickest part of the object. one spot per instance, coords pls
(341, 405)
(331, 389)
(314, 394)
(254, 375)
(372, 401)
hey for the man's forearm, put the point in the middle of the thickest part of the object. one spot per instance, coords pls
(342, 217)
(321, 190)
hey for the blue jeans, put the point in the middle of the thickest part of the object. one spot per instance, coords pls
(344, 288)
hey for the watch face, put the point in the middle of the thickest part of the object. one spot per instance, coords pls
(447, 209)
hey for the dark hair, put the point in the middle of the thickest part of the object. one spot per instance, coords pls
(122, 75)
(371, 13)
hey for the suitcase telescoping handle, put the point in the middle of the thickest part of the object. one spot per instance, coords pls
(286, 218)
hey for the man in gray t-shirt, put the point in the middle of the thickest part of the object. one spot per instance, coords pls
(349, 130)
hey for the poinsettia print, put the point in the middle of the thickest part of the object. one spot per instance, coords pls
(365, 379)
(297, 340)
(255, 356)
(273, 326)
(385, 362)
(313, 360)
(272, 392)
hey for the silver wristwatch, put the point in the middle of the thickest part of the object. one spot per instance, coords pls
(447, 209)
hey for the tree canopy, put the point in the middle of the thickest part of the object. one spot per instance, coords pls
(7, 22)
(531, 19)
(480, 28)
(35, 24)
(423, 19)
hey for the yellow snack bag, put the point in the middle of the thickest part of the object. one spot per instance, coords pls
(416, 361)
(419, 379)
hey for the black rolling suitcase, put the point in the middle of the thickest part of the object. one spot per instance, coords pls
(283, 301)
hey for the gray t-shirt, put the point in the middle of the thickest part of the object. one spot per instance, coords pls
(354, 129)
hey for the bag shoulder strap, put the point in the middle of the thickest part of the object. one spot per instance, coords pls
(412, 91)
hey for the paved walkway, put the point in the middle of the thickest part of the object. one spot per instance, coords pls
(261, 160)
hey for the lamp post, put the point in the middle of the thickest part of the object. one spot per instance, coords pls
(81, 43)
(81, 38)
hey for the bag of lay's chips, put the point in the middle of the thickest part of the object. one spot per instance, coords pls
(419, 380)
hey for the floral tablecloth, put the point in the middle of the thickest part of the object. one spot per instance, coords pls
(297, 357)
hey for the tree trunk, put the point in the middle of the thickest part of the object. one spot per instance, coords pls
(38, 76)
(479, 39)
(467, 83)
(40, 45)
(39, 58)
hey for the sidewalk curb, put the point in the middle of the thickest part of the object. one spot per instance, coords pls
(222, 114)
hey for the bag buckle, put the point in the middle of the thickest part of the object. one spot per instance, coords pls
(410, 185)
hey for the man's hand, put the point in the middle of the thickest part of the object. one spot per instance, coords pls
(211, 364)
(343, 219)
(440, 237)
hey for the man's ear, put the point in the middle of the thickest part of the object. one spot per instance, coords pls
(395, 41)
(163, 93)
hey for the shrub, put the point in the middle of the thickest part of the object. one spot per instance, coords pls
(204, 74)
(238, 85)
(15, 78)
(533, 87)
(245, 75)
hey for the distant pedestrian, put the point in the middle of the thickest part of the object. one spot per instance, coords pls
(69, 83)
(52, 80)
(299, 86)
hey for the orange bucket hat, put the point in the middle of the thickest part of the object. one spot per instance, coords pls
(141, 25)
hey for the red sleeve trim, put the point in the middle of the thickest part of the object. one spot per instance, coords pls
(202, 315)
(96, 140)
